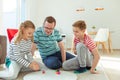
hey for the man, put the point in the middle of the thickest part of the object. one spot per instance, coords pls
(50, 45)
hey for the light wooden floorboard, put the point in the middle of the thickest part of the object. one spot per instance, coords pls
(111, 64)
(109, 61)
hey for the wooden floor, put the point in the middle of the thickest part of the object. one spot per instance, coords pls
(110, 63)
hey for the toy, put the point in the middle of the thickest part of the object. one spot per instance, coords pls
(58, 72)
(43, 72)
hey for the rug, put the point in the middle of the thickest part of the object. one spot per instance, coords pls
(88, 76)
(48, 74)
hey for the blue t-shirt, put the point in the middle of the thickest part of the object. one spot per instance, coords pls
(47, 44)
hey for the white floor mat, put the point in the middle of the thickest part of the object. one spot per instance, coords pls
(51, 75)
(65, 75)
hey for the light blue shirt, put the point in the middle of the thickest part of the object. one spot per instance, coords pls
(47, 45)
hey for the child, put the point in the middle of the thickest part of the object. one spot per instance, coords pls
(20, 56)
(87, 54)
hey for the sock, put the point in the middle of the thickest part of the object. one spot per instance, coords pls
(80, 70)
(89, 67)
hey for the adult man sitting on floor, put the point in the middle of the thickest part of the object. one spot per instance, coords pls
(50, 45)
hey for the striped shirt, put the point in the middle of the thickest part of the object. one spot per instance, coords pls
(21, 52)
(89, 43)
(47, 44)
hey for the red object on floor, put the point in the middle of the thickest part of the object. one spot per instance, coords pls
(11, 33)
(43, 72)
(58, 72)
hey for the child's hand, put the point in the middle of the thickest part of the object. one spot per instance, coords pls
(34, 66)
(93, 71)
(75, 52)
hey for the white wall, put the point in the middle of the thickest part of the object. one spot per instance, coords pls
(65, 13)
(32, 12)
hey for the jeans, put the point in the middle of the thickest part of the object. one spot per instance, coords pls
(54, 61)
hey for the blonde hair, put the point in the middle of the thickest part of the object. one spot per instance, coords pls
(25, 25)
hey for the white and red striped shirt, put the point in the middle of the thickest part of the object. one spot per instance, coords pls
(89, 43)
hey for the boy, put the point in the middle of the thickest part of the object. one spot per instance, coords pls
(87, 54)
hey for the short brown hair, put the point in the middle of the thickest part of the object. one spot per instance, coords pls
(80, 24)
(50, 19)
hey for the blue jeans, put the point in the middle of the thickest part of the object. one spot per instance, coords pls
(54, 61)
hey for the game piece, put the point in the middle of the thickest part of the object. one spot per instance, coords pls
(43, 72)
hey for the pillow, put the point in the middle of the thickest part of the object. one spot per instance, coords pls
(11, 33)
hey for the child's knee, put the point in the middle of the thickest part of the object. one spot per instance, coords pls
(79, 45)
(12, 76)
(65, 66)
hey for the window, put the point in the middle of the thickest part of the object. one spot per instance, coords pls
(9, 13)
(13, 13)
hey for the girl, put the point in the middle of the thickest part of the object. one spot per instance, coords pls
(19, 56)
(87, 54)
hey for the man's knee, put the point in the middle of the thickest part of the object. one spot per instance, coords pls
(53, 63)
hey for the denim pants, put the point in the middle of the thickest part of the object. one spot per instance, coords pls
(54, 61)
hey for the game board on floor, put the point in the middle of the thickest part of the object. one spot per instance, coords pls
(51, 75)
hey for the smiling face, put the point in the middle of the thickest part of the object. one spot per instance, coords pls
(28, 33)
(49, 27)
(77, 32)
(79, 28)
